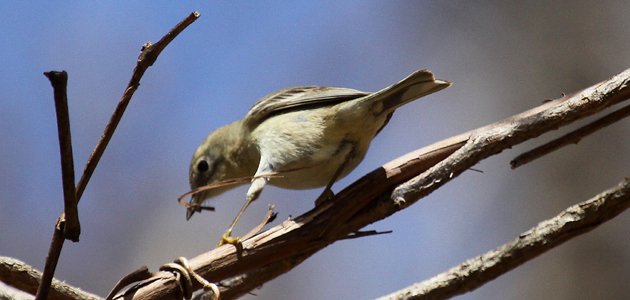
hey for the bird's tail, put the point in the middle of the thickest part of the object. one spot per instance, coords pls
(417, 84)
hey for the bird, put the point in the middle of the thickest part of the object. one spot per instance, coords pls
(310, 136)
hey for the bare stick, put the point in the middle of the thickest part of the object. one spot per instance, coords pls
(148, 56)
(54, 251)
(25, 278)
(571, 138)
(475, 272)
(371, 198)
(59, 80)
(68, 225)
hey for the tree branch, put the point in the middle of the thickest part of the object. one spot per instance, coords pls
(381, 193)
(572, 137)
(72, 196)
(72, 227)
(26, 278)
(475, 272)
(147, 58)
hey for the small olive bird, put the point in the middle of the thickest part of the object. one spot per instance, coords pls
(310, 136)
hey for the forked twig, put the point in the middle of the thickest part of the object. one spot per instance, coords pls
(147, 57)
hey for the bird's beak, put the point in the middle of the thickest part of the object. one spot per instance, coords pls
(193, 206)
(189, 212)
(196, 201)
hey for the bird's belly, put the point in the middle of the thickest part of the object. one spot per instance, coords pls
(315, 171)
(307, 149)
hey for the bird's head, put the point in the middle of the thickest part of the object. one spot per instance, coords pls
(223, 155)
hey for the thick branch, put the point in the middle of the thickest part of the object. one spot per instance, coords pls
(371, 198)
(493, 139)
(240, 285)
(25, 278)
(473, 273)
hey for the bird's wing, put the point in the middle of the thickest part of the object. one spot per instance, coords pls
(301, 97)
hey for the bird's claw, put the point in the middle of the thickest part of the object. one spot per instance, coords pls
(227, 238)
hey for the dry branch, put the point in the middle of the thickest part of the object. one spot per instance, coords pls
(67, 225)
(25, 278)
(72, 227)
(473, 273)
(147, 58)
(379, 194)
(572, 137)
(72, 196)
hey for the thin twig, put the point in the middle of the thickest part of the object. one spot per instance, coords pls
(475, 272)
(570, 138)
(59, 81)
(147, 57)
(269, 217)
(54, 251)
(67, 225)
(233, 181)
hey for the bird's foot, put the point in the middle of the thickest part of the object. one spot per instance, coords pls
(227, 238)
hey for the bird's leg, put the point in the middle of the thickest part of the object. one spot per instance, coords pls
(327, 193)
(252, 194)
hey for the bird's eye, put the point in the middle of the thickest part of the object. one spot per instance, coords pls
(202, 166)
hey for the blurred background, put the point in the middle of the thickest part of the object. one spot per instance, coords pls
(502, 57)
